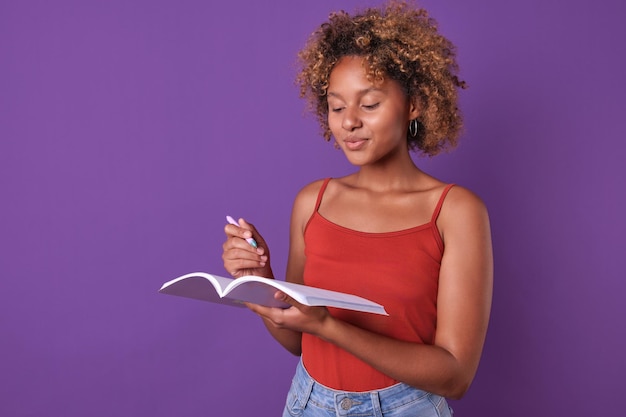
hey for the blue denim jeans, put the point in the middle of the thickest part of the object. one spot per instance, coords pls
(307, 398)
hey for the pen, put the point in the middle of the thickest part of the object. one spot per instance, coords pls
(251, 241)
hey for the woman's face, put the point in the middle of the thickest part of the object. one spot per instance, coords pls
(368, 120)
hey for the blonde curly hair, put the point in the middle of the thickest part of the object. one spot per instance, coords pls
(398, 41)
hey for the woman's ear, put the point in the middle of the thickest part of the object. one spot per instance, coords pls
(414, 108)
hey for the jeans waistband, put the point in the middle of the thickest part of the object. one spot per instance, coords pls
(377, 402)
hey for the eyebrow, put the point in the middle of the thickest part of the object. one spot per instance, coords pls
(360, 92)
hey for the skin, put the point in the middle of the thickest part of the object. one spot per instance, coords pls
(369, 122)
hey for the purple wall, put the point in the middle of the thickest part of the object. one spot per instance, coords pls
(129, 129)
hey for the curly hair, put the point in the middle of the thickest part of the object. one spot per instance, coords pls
(396, 41)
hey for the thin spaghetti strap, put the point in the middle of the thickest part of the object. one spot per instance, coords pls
(321, 193)
(440, 202)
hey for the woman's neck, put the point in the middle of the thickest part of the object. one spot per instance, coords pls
(401, 175)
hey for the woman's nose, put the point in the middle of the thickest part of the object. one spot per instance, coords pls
(351, 119)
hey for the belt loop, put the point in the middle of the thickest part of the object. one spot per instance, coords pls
(376, 407)
(307, 389)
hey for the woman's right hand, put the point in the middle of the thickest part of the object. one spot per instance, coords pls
(240, 257)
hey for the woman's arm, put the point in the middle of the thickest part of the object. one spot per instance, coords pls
(463, 305)
(241, 259)
(302, 210)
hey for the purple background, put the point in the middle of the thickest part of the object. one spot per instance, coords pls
(129, 129)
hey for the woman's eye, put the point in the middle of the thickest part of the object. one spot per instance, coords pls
(370, 106)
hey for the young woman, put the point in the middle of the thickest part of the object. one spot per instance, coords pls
(382, 83)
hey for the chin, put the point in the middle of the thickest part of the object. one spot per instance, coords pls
(358, 162)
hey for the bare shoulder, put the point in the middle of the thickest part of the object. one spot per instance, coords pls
(307, 196)
(460, 198)
(462, 209)
(304, 203)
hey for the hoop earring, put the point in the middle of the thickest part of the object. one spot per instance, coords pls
(413, 128)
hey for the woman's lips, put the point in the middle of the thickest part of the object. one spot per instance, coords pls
(354, 144)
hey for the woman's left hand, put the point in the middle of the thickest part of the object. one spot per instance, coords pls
(298, 317)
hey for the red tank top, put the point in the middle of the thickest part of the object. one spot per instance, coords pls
(399, 270)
